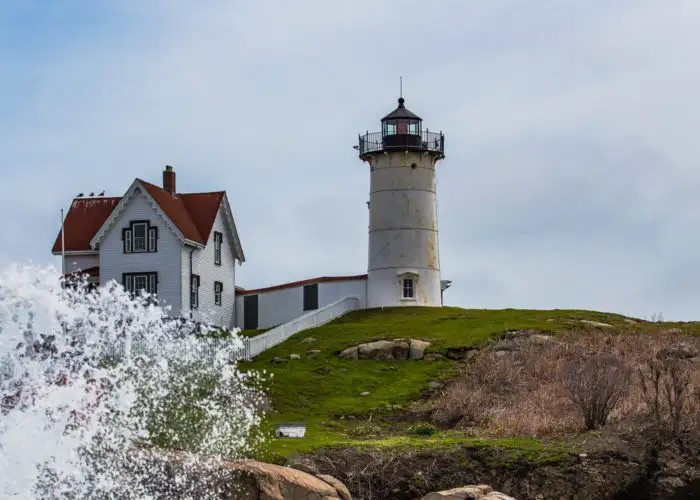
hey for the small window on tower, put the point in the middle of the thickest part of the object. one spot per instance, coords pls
(407, 288)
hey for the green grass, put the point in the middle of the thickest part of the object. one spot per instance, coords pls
(253, 333)
(502, 450)
(323, 391)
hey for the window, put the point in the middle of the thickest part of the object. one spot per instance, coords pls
(390, 128)
(194, 292)
(137, 283)
(218, 240)
(140, 237)
(407, 288)
(311, 297)
(218, 289)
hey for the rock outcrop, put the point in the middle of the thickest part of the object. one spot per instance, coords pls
(180, 475)
(388, 350)
(677, 351)
(480, 492)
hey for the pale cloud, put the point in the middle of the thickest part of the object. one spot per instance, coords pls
(570, 178)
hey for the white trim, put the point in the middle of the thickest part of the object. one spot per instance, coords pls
(121, 206)
(404, 275)
(63, 245)
(236, 248)
(70, 253)
(195, 244)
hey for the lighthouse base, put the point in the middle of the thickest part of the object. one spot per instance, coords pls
(408, 287)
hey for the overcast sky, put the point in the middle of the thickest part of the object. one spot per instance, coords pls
(572, 172)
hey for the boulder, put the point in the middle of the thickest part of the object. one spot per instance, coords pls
(308, 340)
(672, 331)
(342, 490)
(294, 356)
(417, 349)
(677, 351)
(540, 338)
(182, 475)
(506, 346)
(350, 353)
(596, 323)
(480, 492)
(384, 350)
(380, 350)
(388, 350)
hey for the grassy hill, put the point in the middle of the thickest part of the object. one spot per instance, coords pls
(326, 393)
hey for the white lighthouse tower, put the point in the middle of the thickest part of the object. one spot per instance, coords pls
(403, 262)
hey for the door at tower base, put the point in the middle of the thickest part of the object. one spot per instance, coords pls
(403, 287)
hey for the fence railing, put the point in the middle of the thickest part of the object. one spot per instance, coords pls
(261, 343)
(425, 141)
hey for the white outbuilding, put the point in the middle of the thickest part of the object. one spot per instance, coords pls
(290, 430)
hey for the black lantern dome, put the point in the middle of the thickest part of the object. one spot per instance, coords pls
(402, 130)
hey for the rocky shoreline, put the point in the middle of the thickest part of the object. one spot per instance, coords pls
(601, 475)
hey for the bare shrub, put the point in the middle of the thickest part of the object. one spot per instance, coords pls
(671, 396)
(372, 475)
(596, 385)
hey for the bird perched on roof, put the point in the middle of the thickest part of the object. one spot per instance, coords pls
(102, 193)
(80, 195)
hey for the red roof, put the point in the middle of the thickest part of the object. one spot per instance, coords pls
(322, 279)
(192, 213)
(85, 217)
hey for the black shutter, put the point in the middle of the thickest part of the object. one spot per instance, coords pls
(311, 297)
(153, 283)
(124, 248)
(155, 239)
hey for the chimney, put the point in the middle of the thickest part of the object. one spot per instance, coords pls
(169, 179)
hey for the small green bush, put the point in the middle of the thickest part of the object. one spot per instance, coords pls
(422, 430)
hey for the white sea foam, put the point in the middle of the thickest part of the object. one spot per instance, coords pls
(72, 410)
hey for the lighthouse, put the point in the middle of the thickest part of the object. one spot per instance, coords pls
(403, 267)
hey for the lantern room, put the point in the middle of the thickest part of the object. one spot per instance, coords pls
(402, 130)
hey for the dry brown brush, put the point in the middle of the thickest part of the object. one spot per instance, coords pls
(671, 389)
(534, 385)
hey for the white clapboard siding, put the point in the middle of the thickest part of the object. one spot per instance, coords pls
(166, 261)
(204, 266)
(282, 305)
(81, 262)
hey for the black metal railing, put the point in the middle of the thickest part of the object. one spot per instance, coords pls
(427, 141)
